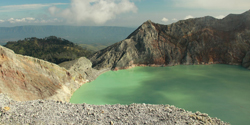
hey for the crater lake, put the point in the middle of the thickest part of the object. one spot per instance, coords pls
(220, 90)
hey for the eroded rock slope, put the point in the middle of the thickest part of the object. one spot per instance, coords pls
(203, 40)
(26, 78)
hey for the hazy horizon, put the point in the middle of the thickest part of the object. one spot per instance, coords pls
(124, 13)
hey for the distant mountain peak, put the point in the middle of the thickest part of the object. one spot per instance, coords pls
(145, 26)
(204, 40)
(247, 12)
(148, 21)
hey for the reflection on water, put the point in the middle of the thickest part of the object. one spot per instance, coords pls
(220, 90)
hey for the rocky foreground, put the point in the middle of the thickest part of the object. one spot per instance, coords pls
(52, 112)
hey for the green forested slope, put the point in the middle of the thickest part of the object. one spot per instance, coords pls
(52, 49)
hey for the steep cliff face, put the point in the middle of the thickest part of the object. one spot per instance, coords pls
(81, 67)
(26, 78)
(203, 40)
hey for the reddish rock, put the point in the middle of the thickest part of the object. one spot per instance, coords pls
(26, 78)
(203, 40)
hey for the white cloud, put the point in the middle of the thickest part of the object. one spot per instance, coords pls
(188, 17)
(11, 20)
(30, 18)
(44, 21)
(174, 19)
(55, 20)
(22, 20)
(214, 4)
(164, 19)
(220, 16)
(11, 8)
(53, 10)
(97, 11)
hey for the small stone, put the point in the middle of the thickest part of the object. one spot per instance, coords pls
(182, 110)
(6, 108)
(199, 118)
(111, 123)
(204, 114)
(168, 109)
(197, 113)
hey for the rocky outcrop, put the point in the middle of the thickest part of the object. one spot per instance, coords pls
(203, 40)
(27, 78)
(82, 67)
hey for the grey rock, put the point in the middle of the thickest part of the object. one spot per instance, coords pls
(82, 67)
(80, 64)
(52, 112)
(203, 40)
(246, 60)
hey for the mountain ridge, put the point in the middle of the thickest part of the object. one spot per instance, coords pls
(76, 34)
(204, 40)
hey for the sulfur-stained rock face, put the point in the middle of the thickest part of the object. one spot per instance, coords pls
(25, 78)
(81, 67)
(203, 40)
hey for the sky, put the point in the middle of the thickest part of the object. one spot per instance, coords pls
(127, 13)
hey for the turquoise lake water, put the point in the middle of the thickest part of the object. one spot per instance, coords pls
(222, 91)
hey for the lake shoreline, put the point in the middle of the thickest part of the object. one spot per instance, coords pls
(156, 65)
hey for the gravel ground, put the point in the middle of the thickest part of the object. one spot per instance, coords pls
(52, 112)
